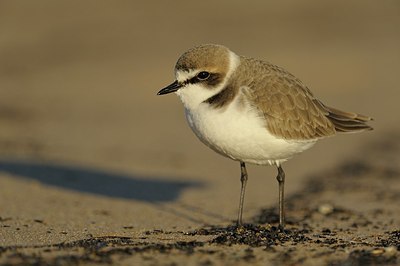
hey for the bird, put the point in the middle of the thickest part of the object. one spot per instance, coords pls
(253, 111)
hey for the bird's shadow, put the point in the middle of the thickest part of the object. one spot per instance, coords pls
(100, 182)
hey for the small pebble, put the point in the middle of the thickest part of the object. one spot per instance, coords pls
(377, 252)
(391, 251)
(325, 209)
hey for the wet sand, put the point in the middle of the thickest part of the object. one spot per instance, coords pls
(95, 168)
(359, 227)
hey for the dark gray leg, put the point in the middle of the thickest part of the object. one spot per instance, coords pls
(243, 180)
(281, 180)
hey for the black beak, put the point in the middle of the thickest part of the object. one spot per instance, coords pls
(170, 88)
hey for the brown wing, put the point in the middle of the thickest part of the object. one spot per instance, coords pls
(291, 110)
(289, 107)
(347, 121)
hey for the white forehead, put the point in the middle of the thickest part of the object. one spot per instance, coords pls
(182, 75)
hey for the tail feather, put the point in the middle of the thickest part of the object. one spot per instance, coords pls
(348, 121)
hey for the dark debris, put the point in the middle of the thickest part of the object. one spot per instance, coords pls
(100, 250)
(252, 235)
(366, 257)
(393, 240)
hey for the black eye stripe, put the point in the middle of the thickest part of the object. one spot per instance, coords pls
(211, 80)
(214, 79)
(193, 80)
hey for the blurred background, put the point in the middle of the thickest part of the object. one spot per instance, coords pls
(78, 84)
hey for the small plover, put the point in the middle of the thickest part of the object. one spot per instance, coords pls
(252, 111)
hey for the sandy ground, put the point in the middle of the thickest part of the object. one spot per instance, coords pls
(95, 168)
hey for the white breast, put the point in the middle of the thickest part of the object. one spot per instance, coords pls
(239, 133)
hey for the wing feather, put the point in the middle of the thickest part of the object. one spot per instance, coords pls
(288, 106)
(290, 109)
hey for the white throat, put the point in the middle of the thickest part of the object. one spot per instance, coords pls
(192, 95)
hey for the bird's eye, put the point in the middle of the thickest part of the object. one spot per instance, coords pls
(203, 75)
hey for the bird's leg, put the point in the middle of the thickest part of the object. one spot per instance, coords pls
(243, 180)
(281, 180)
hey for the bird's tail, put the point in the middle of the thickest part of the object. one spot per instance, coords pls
(347, 121)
